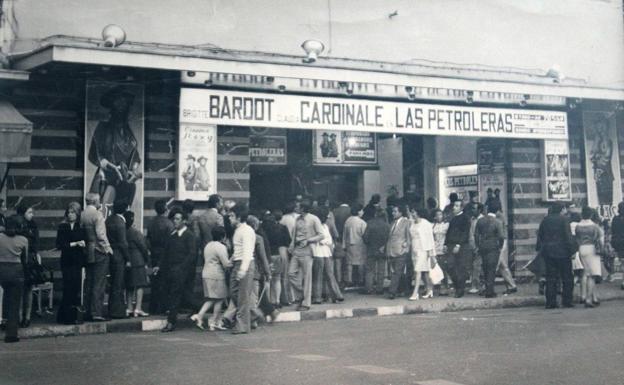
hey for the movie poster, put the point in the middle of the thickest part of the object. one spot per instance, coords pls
(327, 147)
(602, 162)
(556, 171)
(197, 162)
(114, 145)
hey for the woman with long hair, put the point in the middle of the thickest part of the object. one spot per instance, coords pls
(588, 237)
(423, 250)
(136, 275)
(28, 228)
(213, 280)
(71, 240)
(13, 253)
(440, 228)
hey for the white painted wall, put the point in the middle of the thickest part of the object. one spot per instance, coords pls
(585, 37)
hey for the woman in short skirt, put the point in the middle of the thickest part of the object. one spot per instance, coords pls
(588, 237)
(423, 251)
(213, 279)
(136, 274)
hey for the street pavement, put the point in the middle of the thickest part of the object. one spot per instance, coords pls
(506, 346)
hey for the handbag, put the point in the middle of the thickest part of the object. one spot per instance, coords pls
(576, 262)
(436, 274)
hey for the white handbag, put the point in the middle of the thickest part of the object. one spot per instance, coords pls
(436, 274)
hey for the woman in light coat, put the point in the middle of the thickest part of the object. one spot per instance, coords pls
(423, 251)
(353, 243)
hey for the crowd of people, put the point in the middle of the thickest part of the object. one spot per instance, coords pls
(304, 255)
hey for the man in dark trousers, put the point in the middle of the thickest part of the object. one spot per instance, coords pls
(116, 232)
(181, 253)
(489, 238)
(189, 299)
(157, 234)
(617, 233)
(457, 242)
(556, 245)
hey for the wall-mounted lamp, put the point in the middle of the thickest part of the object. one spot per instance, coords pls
(573, 103)
(281, 88)
(190, 74)
(312, 48)
(525, 100)
(113, 35)
(469, 97)
(208, 82)
(411, 92)
(555, 74)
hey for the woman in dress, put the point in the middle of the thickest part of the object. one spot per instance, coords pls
(28, 228)
(423, 250)
(353, 243)
(213, 279)
(71, 240)
(440, 228)
(136, 275)
(589, 241)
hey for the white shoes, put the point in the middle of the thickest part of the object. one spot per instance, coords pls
(414, 297)
(198, 321)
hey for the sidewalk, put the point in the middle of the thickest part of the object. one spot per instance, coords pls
(355, 305)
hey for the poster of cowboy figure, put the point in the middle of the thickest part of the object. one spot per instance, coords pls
(602, 162)
(114, 144)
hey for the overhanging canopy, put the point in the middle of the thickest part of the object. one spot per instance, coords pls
(15, 135)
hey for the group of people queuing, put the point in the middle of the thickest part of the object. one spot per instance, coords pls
(575, 246)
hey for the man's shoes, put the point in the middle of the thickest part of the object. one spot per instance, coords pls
(25, 323)
(511, 290)
(98, 319)
(391, 296)
(303, 308)
(493, 295)
(459, 294)
(236, 331)
(589, 304)
(254, 325)
(10, 340)
(274, 314)
(568, 305)
(473, 291)
(227, 323)
(549, 307)
(337, 300)
(316, 302)
(596, 303)
(169, 328)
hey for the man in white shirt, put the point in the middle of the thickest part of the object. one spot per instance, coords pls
(241, 281)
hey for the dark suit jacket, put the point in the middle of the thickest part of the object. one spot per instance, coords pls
(554, 237)
(181, 251)
(617, 233)
(116, 232)
(459, 231)
(158, 233)
(489, 233)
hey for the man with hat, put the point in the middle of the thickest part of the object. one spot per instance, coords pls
(114, 150)
(325, 145)
(202, 177)
(333, 146)
(189, 173)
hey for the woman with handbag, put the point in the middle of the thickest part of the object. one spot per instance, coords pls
(423, 252)
(70, 239)
(32, 266)
(136, 275)
(588, 237)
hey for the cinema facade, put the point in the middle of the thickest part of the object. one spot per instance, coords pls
(261, 128)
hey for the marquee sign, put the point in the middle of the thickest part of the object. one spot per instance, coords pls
(206, 106)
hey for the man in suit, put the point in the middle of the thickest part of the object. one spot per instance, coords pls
(556, 245)
(210, 219)
(116, 231)
(458, 243)
(489, 238)
(98, 251)
(189, 299)
(157, 234)
(398, 247)
(181, 253)
(341, 214)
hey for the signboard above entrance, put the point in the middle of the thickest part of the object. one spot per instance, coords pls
(205, 106)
